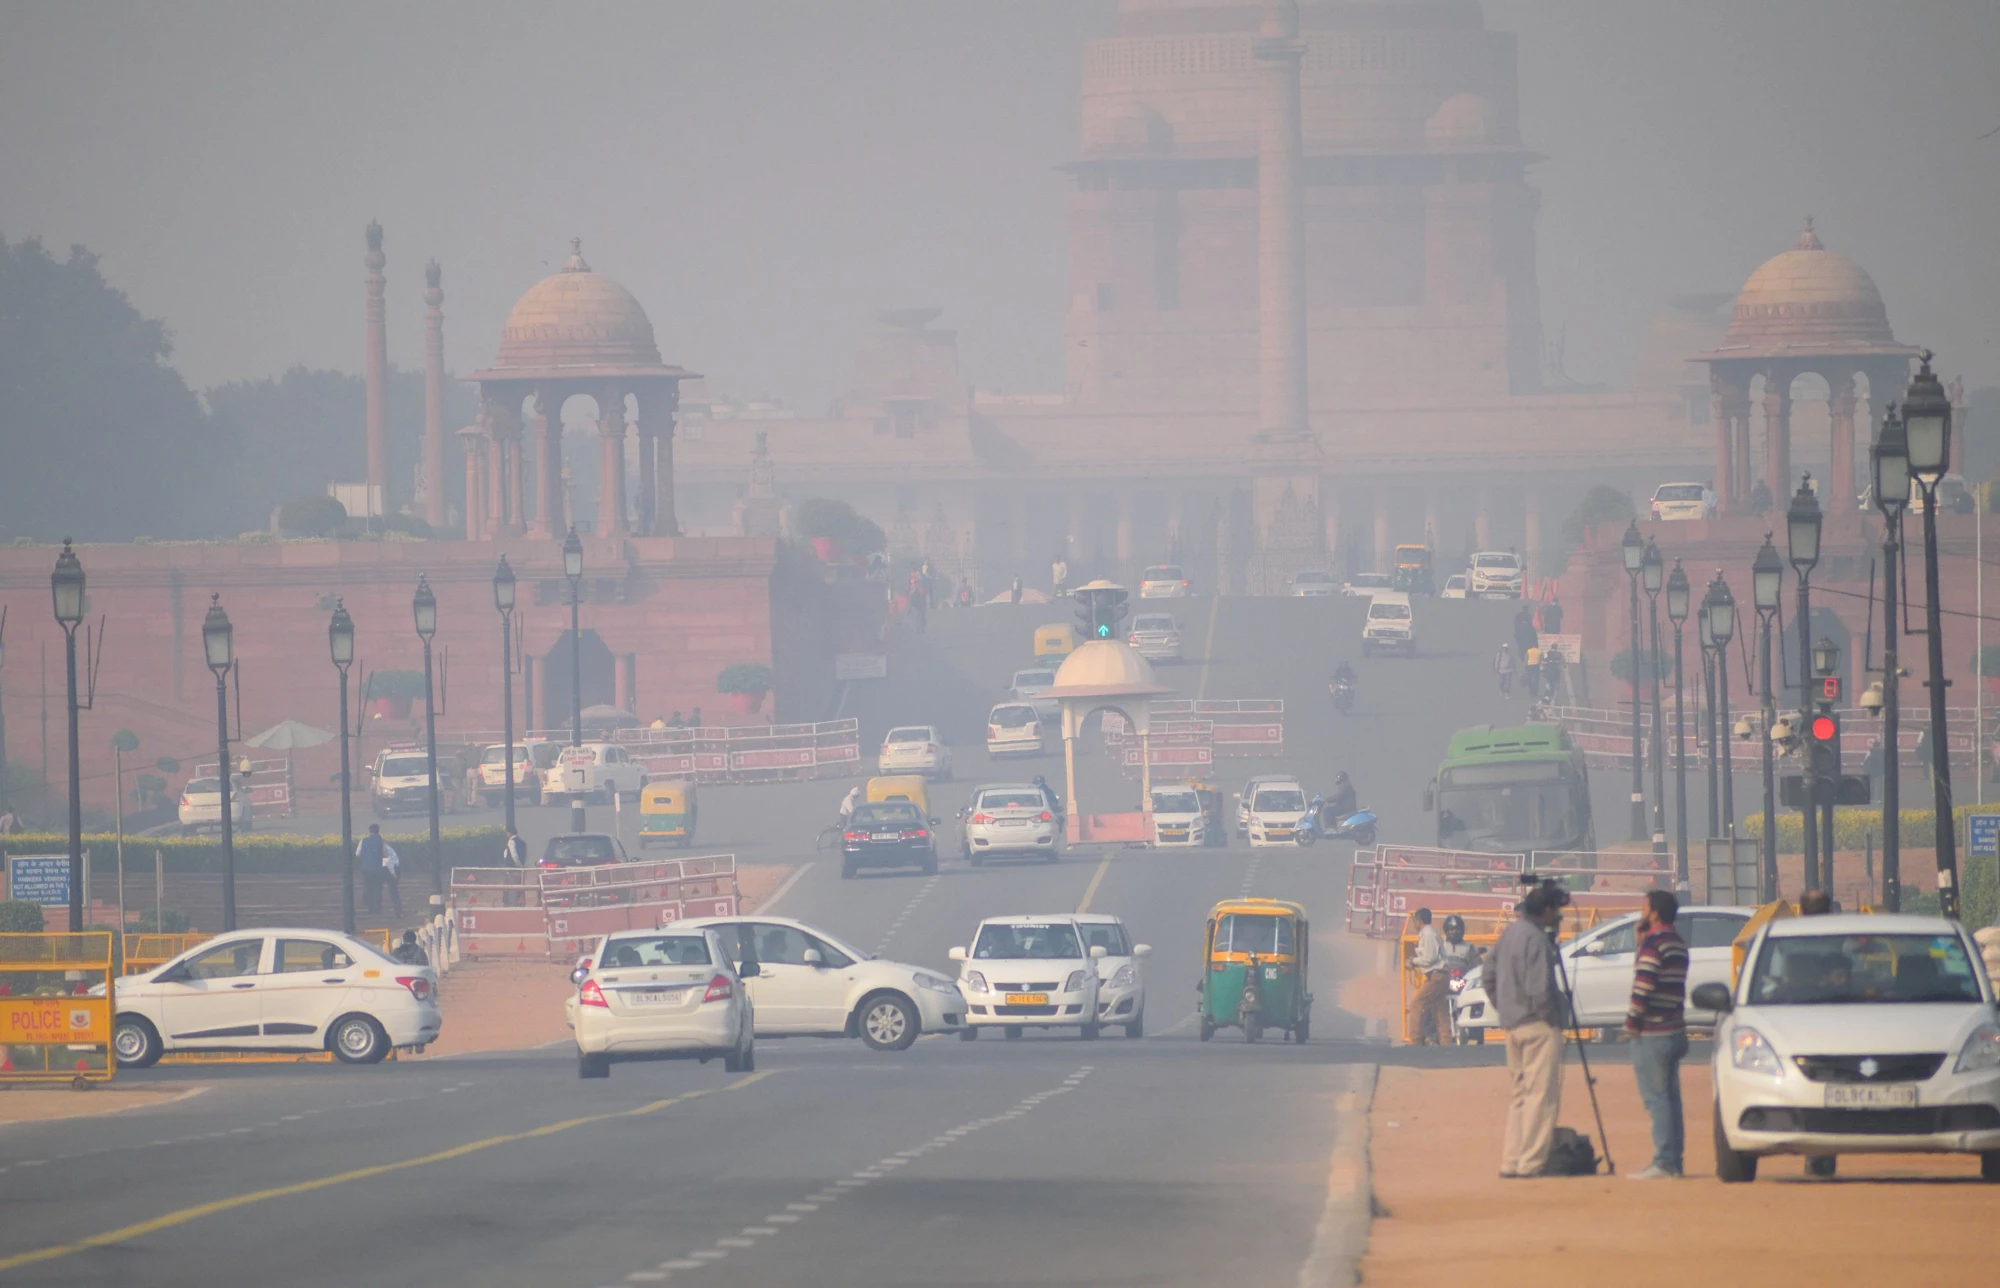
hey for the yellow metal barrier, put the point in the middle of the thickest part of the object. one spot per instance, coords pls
(149, 952)
(51, 1029)
(1482, 929)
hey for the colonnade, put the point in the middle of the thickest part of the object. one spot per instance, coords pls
(497, 447)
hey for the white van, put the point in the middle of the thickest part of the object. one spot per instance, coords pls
(1276, 809)
(1390, 624)
(594, 769)
(1013, 729)
(1177, 816)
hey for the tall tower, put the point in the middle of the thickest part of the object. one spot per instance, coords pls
(434, 507)
(377, 370)
(1281, 238)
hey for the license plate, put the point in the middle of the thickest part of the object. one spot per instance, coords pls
(1013, 822)
(1842, 1095)
(661, 996)
(1027, 999)
(885, 836)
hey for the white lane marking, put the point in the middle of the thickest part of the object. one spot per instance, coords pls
(758, 1231)
(801, 1207)
(785, 1217)
(680, 1263)
(904, 915)
(708, 1254)
(1250, 873)
(734, 1243)
(784, 888)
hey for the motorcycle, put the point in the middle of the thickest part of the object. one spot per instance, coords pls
(1343, 695)
(1358, 827)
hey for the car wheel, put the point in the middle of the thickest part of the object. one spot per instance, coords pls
(1302, 1032)
(1253, 1029)
(1137, 1028)
(358, 1039)
(968, 1034)
(889, 1022)
(1731, 1166)
(1207, 1028)
(136, 1042)
(1090, 1032)
(1822, 1164)
(1989, 1165)
(592, 1066)
(974, 859)
(1013, 1032)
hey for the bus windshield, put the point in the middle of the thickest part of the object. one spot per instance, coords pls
(1507, 818)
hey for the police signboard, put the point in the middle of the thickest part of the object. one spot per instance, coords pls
(1984, 833)
(39, 878)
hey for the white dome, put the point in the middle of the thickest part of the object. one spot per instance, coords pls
(1106, 668)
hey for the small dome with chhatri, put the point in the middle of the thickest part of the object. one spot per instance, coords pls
(580, 319)
(1809, 298)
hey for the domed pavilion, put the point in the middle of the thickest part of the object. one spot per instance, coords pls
(1107, 675)
(1805, 312)
(573, 332)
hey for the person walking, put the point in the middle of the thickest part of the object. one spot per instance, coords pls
(1428, 1022)
(392, 871)
(1521, 984)
(920, 604)
(1926, 761)
(368, 856)
(1059, 575)
(1503, 666)
(1657, 1024)
(515, 850)
(1016, 592)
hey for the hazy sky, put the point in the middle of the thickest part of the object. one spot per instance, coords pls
(765, 176)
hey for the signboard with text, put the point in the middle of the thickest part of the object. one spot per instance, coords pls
(39, 878)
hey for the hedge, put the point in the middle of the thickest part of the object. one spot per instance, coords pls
(1979, 878)
(265, 852)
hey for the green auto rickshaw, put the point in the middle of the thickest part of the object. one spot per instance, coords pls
(1255, 972)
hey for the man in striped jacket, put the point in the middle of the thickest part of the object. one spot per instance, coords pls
(1657, 1024)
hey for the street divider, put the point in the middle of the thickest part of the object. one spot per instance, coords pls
(561, 913)
(52, 1029)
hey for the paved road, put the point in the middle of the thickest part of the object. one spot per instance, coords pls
(1049, 1160)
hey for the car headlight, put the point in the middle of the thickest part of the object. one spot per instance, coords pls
(1748, 1050)
(1074, 984)
(1125, 977)
(1981, 1051)
(975, 981)
(935, 983)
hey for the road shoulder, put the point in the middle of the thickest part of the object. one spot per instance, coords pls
(27, 1104)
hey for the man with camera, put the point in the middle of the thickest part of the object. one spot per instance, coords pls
(1521, 984)
(1656, 1022)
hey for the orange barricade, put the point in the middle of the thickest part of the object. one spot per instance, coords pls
(52, 1029)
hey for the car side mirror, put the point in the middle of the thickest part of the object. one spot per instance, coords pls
(934, 822)
(749, 969)
(814, 958)
(1097, 952)
(1430, 800)
(956, 954)
(1142, 950)
(1714, 997)
(579, 975)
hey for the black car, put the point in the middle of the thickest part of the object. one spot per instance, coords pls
(582, 850)
(887, 834)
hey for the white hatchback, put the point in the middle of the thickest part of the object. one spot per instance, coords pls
(669, 994)
(1277, 808)
(276, 990)
(914, 749)
(1029, 972)
(201, 805)
(1013, 729)
(1121, 977)
(1856, 1034)
(1163, 581)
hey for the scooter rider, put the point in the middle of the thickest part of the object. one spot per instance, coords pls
(1459, 956)
(1342, 800)
(1055, 801)
(1344, 674)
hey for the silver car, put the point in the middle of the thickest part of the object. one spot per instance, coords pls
(1156, 636)
(1031, 686)
(1010, 820)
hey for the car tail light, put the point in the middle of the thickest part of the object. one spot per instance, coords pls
(982, 818)
(719, 989)
(992, 731)
(548, 863)
(850, 836)
(420, 988)
(1048, 817)
(1183, 581)
(591, 995)
(1133, 638)
(917, 835)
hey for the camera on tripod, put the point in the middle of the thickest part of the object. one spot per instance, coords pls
(1543, 892)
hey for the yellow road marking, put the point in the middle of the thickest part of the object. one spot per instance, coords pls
(1097, 878)
(1208, 647)
(139, 1229)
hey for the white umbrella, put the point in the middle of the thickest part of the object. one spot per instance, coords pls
(288, 735)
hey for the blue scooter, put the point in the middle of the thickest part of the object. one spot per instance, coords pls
(1358, 827)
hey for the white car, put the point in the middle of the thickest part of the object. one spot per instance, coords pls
(1249, 793)
(914, 749)
(1679, 501)
(1163, 581)
(1494, 574)
(1156, 637)
(400, 783)
(809, 984)
(201, 805)
(1178, 819)
(1364, 584)
(667, 994)
(1121, 976)
(1454, 587)
(1011, 820)
(1276, 810)
(593, 770)
(1389, 624)
(275, 990)
(1029, 972)
(1857, 1034)
(1311, 583)
(1031, 686)
(533, 758)
(1013, 729)
(1599, 966)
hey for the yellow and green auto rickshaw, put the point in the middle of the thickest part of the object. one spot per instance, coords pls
(1054, 642)
(1255, 972)
(667, 813)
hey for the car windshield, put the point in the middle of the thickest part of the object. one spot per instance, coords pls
(1396, 612)
(656, 950)
(1280, 800)
(498, 756)
(1237, 932)
(1153, 622)
(1055, 941)
(1823, 970)
(1458, 580)
(1108, 935)
(203, 787)
(914, 733)
(1012, 717)
(580, 849)
(1166, 572)
(1495, 561)
(405, 767)
(1176, 802)
(1678, 492)
(888, 814)
(1034, 679)
(1025, 798)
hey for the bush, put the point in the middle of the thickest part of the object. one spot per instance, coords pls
(753, 678)
(168, 922)
(819, 516)
(264, 852)
(125, 740)
(19, 917)
(167, 765)
(1987, 661)
(312, 516)
(394, 685)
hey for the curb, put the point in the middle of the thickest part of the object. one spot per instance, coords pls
(1341, 1239)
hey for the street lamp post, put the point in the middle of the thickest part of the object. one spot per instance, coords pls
(425, 608)
(1802, 532)
(1653, 575)
(1927, 432)
(1677, 613)
(1705, 639)
(1722, 625)
(1635, 552)
(218, 646)
(503, 599)
(1891, 461)
(340, 643)
(573, 569)
(66, 584)
(1767, 576)
(1826, 661)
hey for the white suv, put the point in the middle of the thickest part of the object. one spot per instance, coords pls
(1277, 807)
(1023, 972)
(1390, 624)
(1494, 574)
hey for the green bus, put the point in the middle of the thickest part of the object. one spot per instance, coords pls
(1510, 789)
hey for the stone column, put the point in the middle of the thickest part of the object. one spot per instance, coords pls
(493, 473)
(516, 519)
(1383, 548)
(549, 518)
(1739, 422)
(1433, 514)
(1077, 552)
(1725, 453)
(1778, 436)
(642, 522)
(1329, 513)
(611, 462)
(1840, 415)
(376, 359)
(1281, 296)
(474, 442)
(657, 412)
(434, 506)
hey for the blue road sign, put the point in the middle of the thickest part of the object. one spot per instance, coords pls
(1985, 833)
(39, 878)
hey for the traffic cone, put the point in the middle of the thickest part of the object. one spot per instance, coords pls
(6, 1060)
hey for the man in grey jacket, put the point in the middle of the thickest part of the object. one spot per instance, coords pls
(1521, 983)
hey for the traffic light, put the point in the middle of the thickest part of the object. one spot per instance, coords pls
(1100, 606)
(1823, 739)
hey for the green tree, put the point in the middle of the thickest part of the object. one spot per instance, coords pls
(1602, 504)
(312, 515)
(819, 516)
(125, 740)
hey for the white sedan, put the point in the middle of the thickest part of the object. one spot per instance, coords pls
(661, 995)
(1121, 989)
(914, 749)
(809, 984)
(1029, 971)
(276, 990)
(1856, 1034)
(201, 805)
(1010, 820)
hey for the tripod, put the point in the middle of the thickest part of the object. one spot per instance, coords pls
(1583, 1054)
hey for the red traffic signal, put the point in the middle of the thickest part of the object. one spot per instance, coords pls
(1824, 729)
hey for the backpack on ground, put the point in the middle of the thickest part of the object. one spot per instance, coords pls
(1570, 1154)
